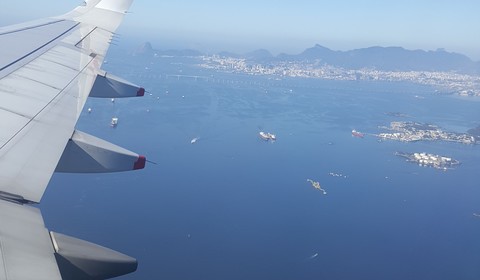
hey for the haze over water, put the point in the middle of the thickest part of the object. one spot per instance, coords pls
(232, 206)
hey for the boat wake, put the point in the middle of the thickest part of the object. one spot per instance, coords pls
(313, 256)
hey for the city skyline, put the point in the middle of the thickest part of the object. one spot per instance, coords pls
(287, 27)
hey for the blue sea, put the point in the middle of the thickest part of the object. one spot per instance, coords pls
(232, 206)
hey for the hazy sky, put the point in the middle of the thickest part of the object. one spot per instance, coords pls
(287, 26)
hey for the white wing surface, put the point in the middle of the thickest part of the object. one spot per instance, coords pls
(46, 73)
(26, 251)
(47, 70)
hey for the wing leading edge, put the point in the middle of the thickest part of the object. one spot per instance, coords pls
(47, 71)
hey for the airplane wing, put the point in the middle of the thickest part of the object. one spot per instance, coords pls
(48, 69)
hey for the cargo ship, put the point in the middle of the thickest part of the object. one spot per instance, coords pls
(357, 134)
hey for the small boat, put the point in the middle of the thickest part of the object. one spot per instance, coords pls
(357, 134)
(114, 122)
(267, 136)
(194, 140)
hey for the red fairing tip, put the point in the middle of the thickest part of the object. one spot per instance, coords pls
(141, 92)
(140, 163)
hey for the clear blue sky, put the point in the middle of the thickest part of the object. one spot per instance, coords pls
(287, 26)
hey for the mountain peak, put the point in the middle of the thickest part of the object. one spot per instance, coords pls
(316, 52)
(144, 49)
(318, 46)
(260, 54)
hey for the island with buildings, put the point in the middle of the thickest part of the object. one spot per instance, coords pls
(414, 131)
(430, 160)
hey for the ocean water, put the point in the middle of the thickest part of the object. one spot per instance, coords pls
(232, 206)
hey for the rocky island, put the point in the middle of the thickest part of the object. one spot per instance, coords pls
(316, 185)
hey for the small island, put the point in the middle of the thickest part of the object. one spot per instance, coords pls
(431, 160)
(316, 185)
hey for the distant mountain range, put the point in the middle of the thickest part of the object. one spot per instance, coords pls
(380, 58)
(146, 49)
(388, 59)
